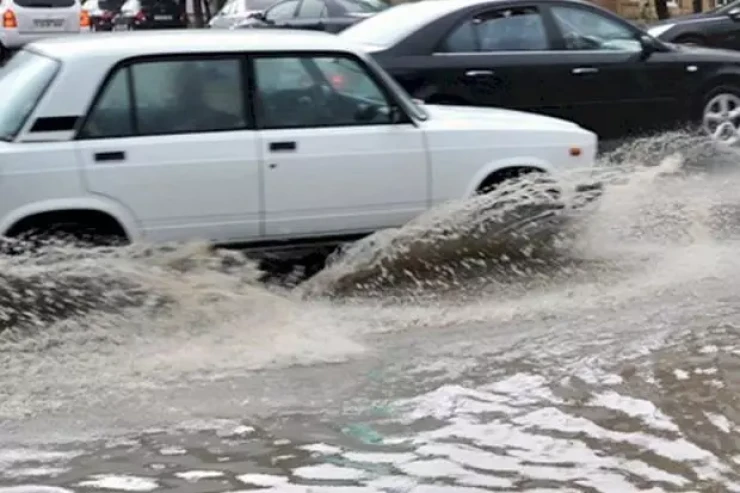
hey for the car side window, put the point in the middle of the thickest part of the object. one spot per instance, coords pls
(512, 29)
(282, 11)
(170, 97)
(188, 96)
(583, 29)
(111, 116)
(312, 9)
(319, 91)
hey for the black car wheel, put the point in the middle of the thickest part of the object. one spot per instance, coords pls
(720, 117)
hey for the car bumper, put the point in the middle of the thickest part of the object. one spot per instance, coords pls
(12, 39)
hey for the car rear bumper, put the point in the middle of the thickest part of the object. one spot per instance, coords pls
(12, 39)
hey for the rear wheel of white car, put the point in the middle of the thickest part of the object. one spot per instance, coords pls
(37, 233)
(720, 118)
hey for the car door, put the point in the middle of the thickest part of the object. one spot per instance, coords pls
(336, 158)
(170, 139)
(598, 58)
(494, 57)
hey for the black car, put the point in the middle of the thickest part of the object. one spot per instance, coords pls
(331, 16)
(565, 58)
(150, 14)
(102, 13)
(719, 27)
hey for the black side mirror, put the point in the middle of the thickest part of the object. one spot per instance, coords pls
(649, 45)
(734, 14)
(367, 113)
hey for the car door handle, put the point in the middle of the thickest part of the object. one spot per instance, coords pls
(282, 146)
(109, 156)
(584, 70)
(478, 73)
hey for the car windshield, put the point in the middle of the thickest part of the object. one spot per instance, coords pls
(724, 8)
(394, 24)
(23, 80)
(112, 5)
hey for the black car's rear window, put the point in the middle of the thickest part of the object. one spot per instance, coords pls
(45, 4)
(167, 4)
(113, 5)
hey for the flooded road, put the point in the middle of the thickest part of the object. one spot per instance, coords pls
(607, 362)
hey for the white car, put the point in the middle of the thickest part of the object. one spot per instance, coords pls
(247, 137)
(24, 21)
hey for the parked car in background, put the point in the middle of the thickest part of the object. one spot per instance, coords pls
(150, 14)
(565, 58)
(719, 27)
(319, 15)
(235, 11)
(246, 140)
(24, 21)
(102, 12)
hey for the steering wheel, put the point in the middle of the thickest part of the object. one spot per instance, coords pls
(581, 41)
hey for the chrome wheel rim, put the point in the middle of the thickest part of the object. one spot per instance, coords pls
(721, 118)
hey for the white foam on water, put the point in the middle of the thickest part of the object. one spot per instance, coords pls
(197, 475)
(262, 479)
(33, 489)
(328, 472)
(120, 483)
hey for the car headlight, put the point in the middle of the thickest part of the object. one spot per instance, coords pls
(656, 31)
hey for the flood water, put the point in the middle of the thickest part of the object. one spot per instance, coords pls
(437, 357)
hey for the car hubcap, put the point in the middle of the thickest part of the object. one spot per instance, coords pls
(722, 118)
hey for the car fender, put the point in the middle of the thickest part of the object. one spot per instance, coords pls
(95, 203)
(493, 166)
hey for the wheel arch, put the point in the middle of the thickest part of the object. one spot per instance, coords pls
(110, 209)
(497, 168)
(727, 76)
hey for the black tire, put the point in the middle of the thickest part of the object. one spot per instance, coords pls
(725, 88)
(69, 233)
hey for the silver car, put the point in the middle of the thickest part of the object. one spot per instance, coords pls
(235, 11)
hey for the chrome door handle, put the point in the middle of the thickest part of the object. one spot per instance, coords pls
(478, 73)
(585, 70)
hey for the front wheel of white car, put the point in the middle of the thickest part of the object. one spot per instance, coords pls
(721, 115)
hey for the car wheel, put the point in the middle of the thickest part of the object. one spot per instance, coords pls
(721, 115)
(67, 233)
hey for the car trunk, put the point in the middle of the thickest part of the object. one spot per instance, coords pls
(161, 11)
(47, 16)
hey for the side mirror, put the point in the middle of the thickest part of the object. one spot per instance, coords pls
(649, 45)
(367, 113)
(734, 14)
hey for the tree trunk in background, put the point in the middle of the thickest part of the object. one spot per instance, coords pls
(661, 9)
(207, 10)
(198, 13)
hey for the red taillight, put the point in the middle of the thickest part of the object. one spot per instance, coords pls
(9, 20)
(84, 19)
(140, 16)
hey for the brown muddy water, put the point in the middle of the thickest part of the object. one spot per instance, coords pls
(436, 357)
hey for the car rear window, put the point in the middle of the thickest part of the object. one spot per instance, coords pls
(171, 5)
(362, 6)
(45, 4)
(23, 81)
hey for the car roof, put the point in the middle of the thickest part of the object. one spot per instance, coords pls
(141, 43)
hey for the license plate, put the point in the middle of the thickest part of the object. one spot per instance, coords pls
(162, 17)
(48, 23)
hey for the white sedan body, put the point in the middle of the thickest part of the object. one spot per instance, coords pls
(109, 126)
